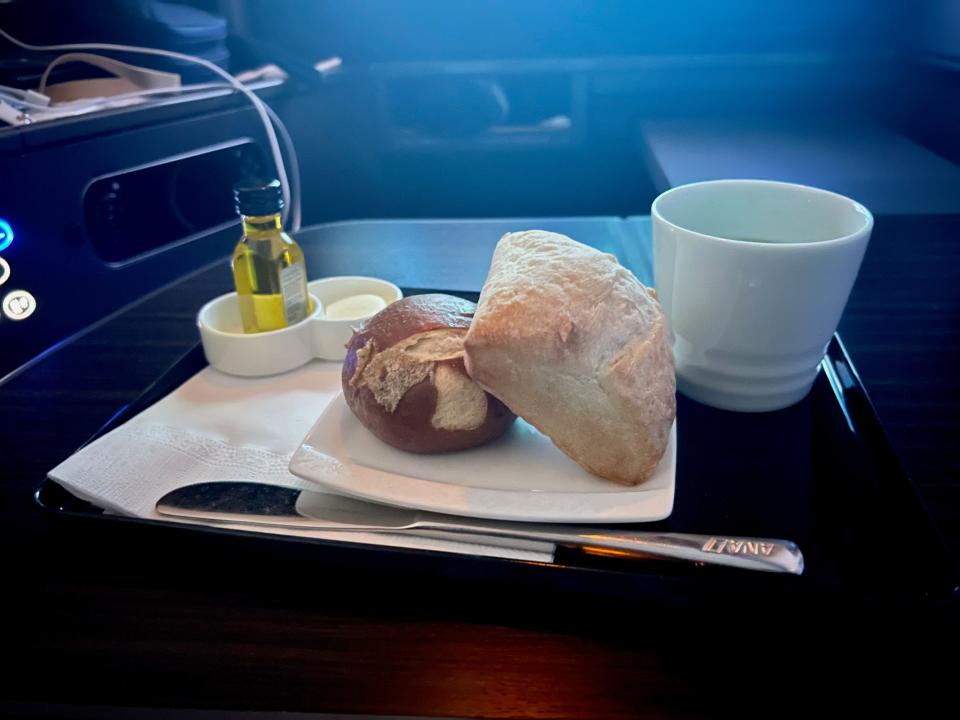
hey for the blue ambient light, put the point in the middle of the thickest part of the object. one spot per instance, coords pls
(6, 234)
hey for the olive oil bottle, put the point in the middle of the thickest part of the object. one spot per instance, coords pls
(268, 265)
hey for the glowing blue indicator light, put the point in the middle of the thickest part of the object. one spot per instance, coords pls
(6, 234)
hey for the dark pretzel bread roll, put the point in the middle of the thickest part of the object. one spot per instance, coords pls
(405, 380)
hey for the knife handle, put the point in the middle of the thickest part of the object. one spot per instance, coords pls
(764, 554)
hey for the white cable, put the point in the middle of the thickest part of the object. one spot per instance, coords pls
(294, 168)
(257, 103)
(18, 100)
(89, 104)
(12, 90)
(84, 103)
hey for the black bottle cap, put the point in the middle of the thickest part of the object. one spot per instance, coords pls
(255, 197)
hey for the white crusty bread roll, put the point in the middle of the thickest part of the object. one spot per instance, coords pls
(573, 343)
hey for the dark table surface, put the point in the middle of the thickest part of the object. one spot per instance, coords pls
(147, 617)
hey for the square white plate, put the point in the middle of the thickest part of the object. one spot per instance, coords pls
(520, 476)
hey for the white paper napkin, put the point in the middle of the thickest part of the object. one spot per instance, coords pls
(216, 427)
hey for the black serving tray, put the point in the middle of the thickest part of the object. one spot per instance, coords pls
(822, 473)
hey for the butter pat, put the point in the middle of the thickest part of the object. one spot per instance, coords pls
(353, 307)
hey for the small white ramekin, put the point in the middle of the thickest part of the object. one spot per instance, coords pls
(232, 351)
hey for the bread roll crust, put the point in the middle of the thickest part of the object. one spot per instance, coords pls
(572, 342)
(404, 378)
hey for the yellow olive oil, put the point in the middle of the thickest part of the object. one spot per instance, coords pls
(268, 266)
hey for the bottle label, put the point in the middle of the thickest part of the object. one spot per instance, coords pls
(293, 286)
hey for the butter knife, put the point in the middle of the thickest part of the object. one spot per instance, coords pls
(253, 503)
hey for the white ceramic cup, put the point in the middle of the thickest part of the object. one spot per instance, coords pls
(753, 276)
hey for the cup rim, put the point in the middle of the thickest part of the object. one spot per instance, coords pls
(787, 246)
